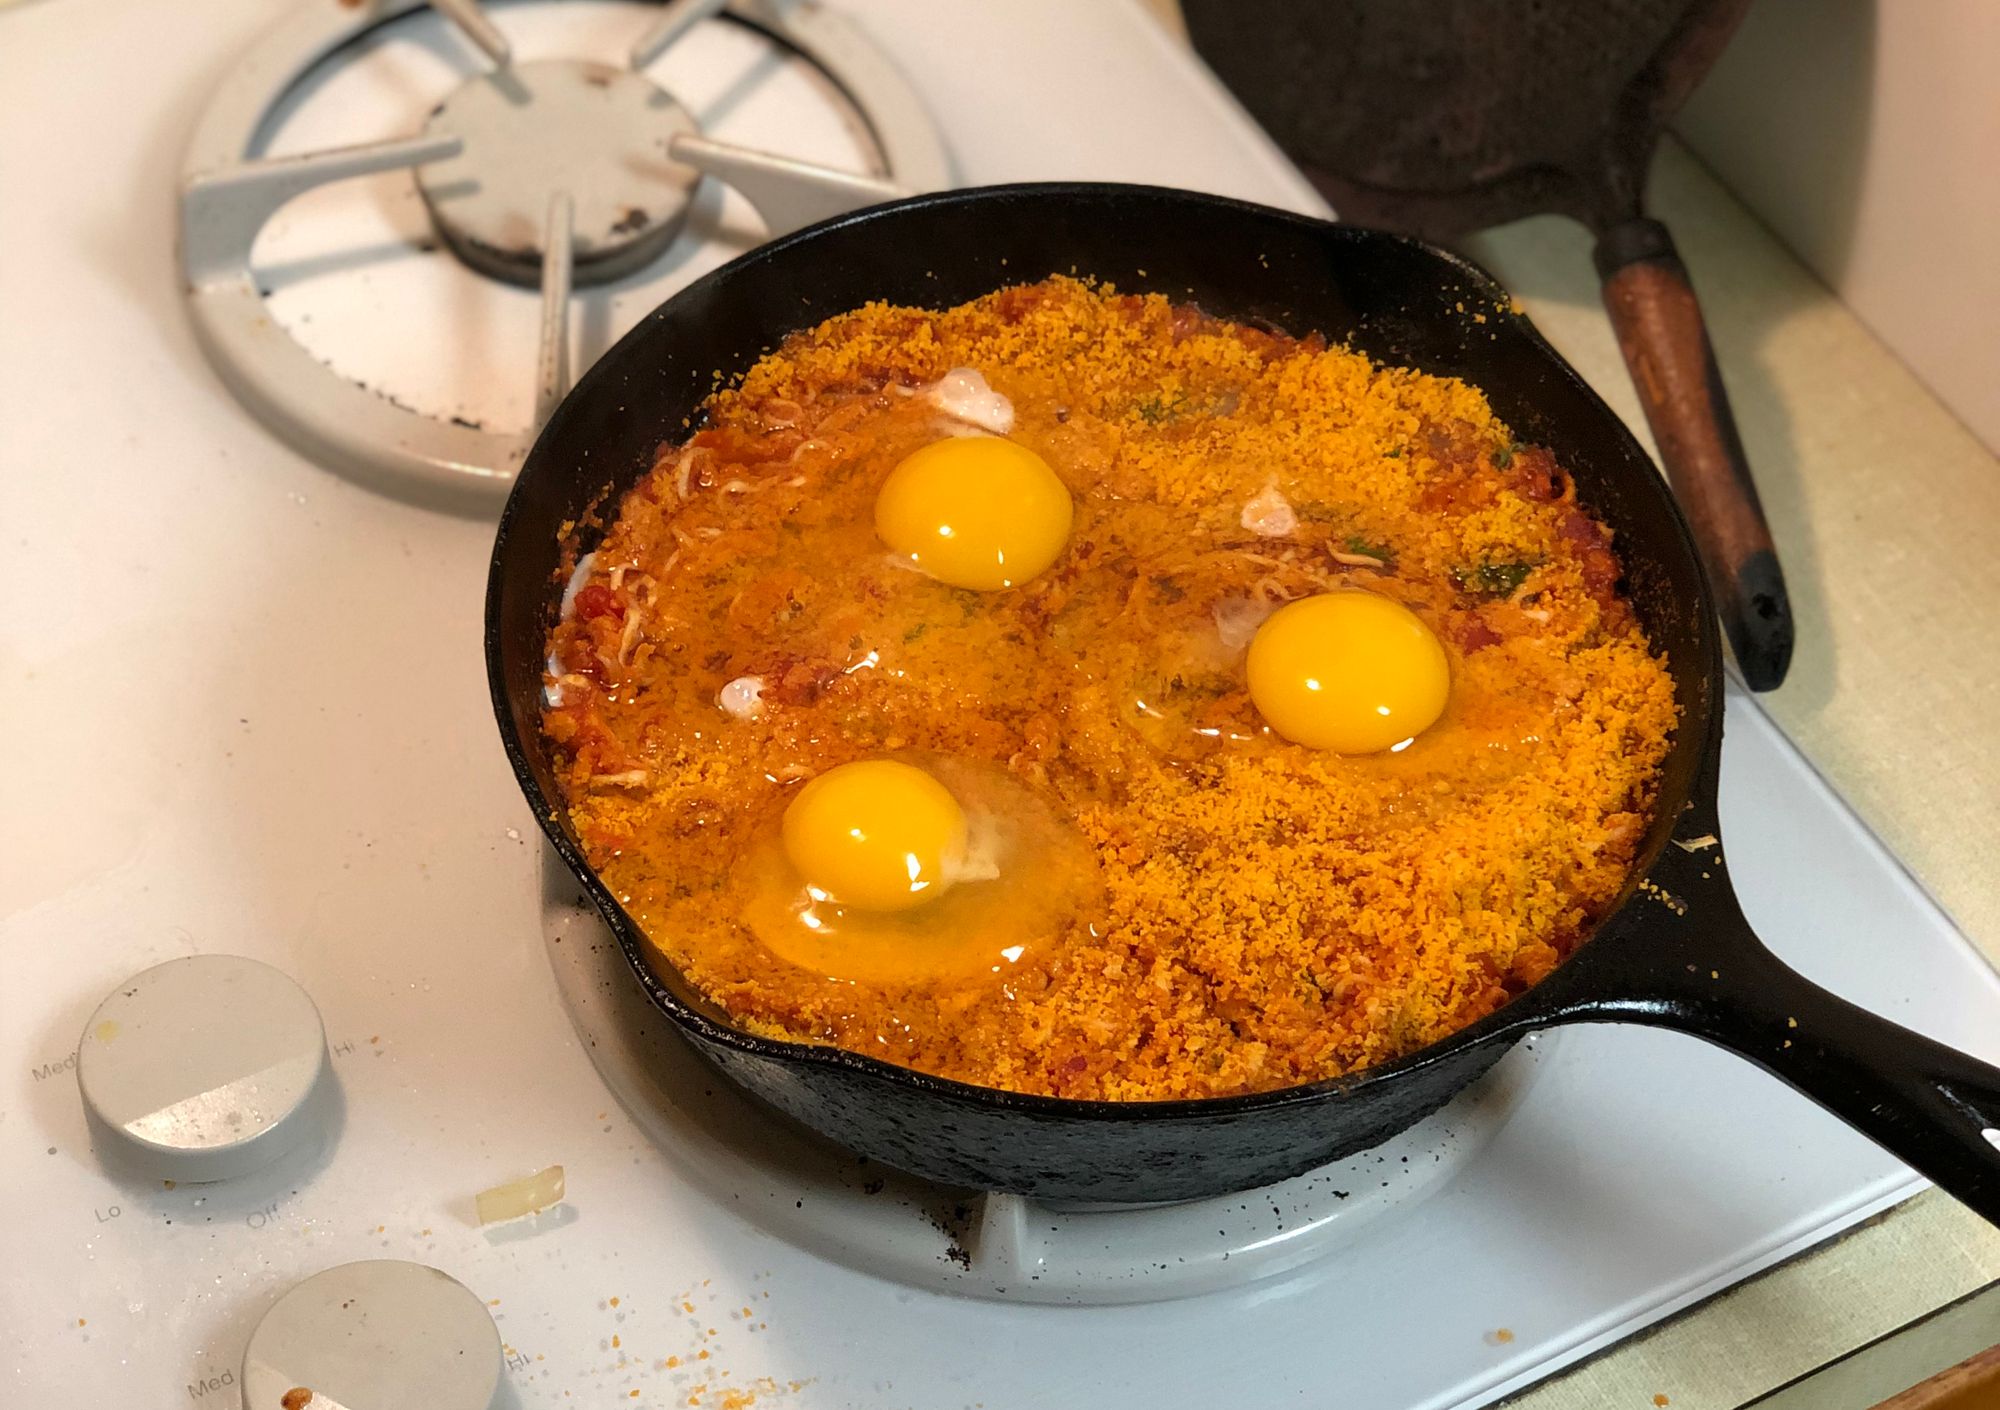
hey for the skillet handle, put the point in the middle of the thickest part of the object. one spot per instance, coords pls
(1660, 330)
(1931, 1106)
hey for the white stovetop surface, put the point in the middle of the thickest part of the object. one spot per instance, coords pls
(246, 712)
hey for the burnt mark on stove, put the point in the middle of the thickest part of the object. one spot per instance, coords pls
(954, 1221)
(631, 222)
(469, 425)
(389, 397)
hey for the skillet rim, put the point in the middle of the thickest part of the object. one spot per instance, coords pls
(1543, 1004)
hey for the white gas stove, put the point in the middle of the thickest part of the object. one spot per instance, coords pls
(249, 716)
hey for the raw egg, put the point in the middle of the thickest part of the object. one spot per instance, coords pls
(975, 511)
(877, 835)
(1348, 671)
(901, 871)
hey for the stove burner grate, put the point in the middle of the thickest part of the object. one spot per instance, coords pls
(545, 173)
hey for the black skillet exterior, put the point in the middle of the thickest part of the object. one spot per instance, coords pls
(1399, 300)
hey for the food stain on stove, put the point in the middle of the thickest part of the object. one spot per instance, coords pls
(297, 1398)
(1499, 1336)
(631, 222)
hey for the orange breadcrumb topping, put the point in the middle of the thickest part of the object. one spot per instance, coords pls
(1265, 914)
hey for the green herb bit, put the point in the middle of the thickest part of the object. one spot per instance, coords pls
(1500, 579)
(1503, 456)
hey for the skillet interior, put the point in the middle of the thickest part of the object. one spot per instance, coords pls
(1397, 299)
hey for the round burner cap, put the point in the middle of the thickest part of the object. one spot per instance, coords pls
(383, 1334)
(205, 1068)
(535, 129)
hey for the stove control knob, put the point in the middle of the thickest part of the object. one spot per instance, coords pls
(383, 1334)
(205, 1068)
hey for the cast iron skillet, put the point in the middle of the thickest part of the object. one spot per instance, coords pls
(1689, 962)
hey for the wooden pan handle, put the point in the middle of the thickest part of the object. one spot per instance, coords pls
(1659, 325)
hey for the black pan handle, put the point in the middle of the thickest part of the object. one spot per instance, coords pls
(1931, 1106)
(1665, 341)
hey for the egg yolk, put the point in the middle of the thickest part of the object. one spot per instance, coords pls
(1013, 874)
(1347, 671)
(877, 835)
(975, 511)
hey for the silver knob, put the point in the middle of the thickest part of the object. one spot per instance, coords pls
(205, 1068)
(382, 1334)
